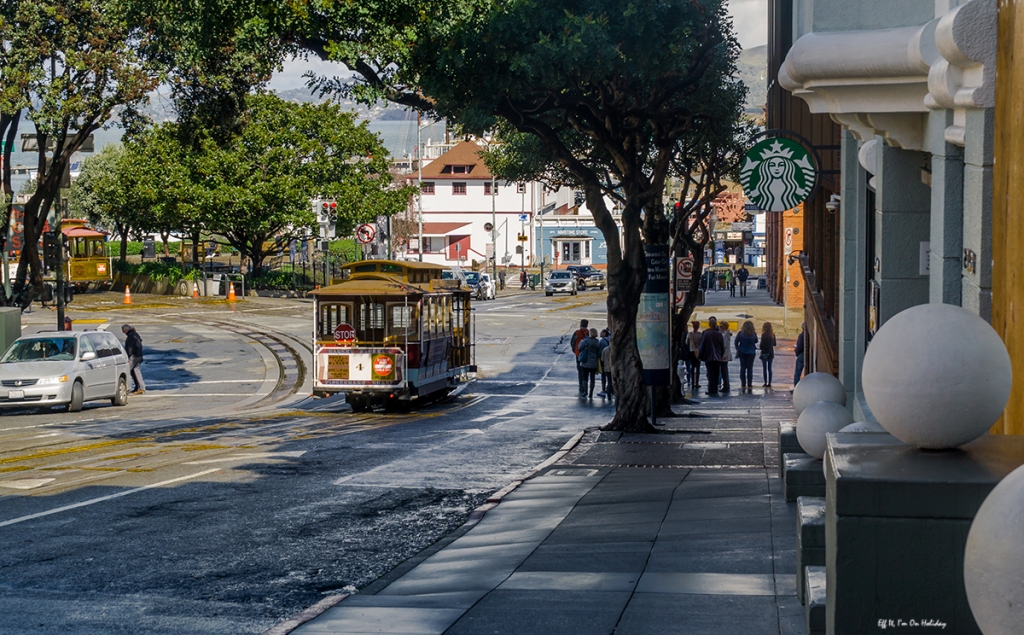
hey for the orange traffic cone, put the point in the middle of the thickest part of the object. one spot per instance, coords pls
(127, 295)
(231, 292)
(195, 290)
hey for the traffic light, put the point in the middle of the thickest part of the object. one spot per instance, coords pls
(325, 209)
(50, 250)
(333, 211)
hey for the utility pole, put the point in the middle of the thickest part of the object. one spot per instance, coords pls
(494, 234)
(419, 183)
(60, 264)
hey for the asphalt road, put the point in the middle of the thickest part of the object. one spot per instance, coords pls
(225, 500)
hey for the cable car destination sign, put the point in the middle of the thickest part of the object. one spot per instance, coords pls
(778, 174)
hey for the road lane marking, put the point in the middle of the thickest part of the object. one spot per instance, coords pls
(93, 501)
(80, 448)
(249, 456)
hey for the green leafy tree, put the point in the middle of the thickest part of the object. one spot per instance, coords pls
(107, 194)
(282, 156)
(65, 64)
(603, 95)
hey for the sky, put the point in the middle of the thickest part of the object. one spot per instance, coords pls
(750, 20)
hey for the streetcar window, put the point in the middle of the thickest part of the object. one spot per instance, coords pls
(365, 268)
(402, 320)
(387, 268)
(331, 315)
(371, 316)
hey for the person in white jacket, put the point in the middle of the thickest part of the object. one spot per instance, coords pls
(727, 336)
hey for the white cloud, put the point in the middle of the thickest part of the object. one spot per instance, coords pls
(750, 21)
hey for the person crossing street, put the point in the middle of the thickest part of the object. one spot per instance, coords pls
(133, 347)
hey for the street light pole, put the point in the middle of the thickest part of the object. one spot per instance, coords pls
(494, 234)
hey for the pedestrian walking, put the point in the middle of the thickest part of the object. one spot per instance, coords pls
(604, 344)
(731, 279)
(133, 347)
(746, 348)
(692, 361)
(588, 358)
(578, 336)
(743, 274)
(799, 350)
(711, 352)
(522, 279)
(767, 352)
(501, 278)
(726, 356)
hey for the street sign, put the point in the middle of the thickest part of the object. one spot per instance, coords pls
(789, 241)
(365, 234)
(523, 218)
(684, 268)
(734, 236)
(344, 333)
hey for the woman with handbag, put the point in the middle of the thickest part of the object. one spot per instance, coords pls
(767, 352)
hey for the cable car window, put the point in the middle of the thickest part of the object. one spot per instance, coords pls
(401, 320)
(371, 316)
(388, 268)
(97, 248)
(331, 315)
(364, 268)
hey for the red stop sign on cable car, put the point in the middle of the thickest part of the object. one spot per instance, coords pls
(382, 365)
(344, 333)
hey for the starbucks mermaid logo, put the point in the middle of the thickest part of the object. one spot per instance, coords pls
(777, 175)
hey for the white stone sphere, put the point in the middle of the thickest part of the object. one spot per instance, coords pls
(936, 376)
(994, 559)
(816, 421)
(818, 387)
(863, 426)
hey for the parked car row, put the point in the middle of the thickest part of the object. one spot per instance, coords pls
(574, 279)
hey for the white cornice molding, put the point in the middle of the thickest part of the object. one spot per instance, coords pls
(882, 81)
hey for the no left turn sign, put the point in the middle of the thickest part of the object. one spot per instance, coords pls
(365, 234)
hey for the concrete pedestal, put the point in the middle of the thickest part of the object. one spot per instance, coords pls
(896, 524)
(814, 581)
(788, 443)
(803, 476)
(810, 538)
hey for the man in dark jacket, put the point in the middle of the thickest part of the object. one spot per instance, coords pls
(799, 350)
(578, 336)
(743, 274)
(711, 352)
(133, 347)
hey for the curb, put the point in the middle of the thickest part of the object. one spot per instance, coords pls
(289, 625)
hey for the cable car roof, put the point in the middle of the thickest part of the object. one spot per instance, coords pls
(82, 232)
(372, 284)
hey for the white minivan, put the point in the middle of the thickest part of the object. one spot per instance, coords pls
(64, 368)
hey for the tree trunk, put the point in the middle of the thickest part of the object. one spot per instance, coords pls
(165, 236)
(123, 230)
(195, 249)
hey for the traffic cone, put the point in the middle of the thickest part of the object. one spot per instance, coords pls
(127, 295)
(195, 290)
(231, 292)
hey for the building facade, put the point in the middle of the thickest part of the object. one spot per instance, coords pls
(911, 85)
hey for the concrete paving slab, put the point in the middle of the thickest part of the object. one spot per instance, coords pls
(458, 552)
(683, 528)
(503, 537)
(624, 559)
(707, 583)
(457, 600)
(523, 612)
(715, 509)
(367, 619)
(571, 581)
(607, 533)
(453, 583)
(688, 614)
(721, 489)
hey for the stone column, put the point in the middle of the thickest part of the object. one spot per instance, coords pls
(853, 266)
(902, 223)
(947, 211)
(977, 229)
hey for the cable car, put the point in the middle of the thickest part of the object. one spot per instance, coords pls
(88, 260)
(392, 334)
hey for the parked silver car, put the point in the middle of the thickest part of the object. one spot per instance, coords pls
(64, 367)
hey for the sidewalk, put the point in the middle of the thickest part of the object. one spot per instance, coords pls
(684, 532)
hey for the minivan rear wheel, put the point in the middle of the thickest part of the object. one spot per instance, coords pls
(77, 396)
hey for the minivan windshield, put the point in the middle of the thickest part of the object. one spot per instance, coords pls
(51, 349)
(472, 277)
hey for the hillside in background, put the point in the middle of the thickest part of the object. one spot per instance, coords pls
(753, 71)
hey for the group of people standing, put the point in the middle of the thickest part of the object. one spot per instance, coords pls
(713, 347)
(593, 356)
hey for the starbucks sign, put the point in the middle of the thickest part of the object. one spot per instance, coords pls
(778, 174)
